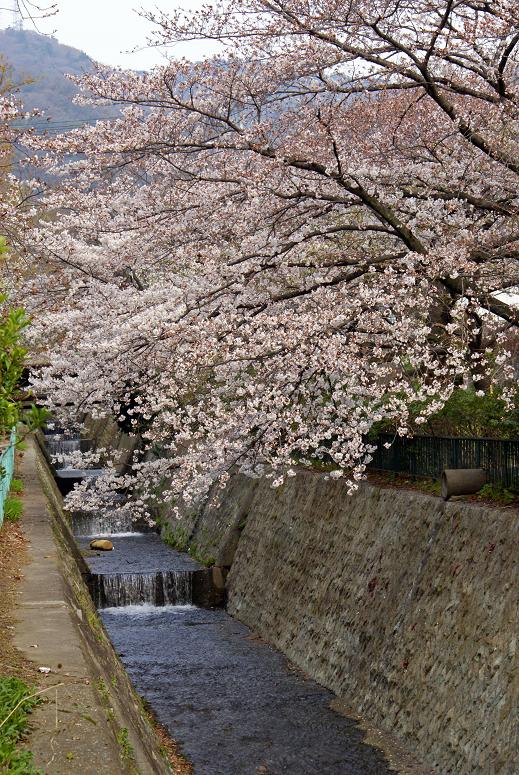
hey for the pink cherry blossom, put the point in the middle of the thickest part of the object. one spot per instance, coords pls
(275, 248)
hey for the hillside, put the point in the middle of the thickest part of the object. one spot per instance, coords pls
(45, 61)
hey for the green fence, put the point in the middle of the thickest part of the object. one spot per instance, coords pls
(429, 455)
(6, 472)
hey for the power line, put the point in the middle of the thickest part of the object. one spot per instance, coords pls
(64, 125)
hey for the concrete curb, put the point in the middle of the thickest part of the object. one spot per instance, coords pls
(110, 732)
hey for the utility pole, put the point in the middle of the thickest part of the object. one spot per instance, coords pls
(17, 23)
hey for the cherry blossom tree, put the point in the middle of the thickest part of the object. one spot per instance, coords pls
(11, 197)
(279, 246)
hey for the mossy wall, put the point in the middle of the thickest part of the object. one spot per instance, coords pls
(405, 607)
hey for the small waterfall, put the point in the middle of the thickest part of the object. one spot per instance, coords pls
(58, 432)
(103, 524)
(158, 589)
(60, 446)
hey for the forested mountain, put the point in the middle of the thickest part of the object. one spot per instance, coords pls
(44, 62)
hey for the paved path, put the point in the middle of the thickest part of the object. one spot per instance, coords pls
(70, 733)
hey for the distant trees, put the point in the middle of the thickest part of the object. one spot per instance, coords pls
(279, 247)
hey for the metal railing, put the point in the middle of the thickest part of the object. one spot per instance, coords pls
(6, 472)
(430, 455)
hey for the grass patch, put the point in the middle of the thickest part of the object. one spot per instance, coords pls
(499, 494)
(103, 690)
(198, 554)
(16, 486)
(433, 488)
(124, 744)
(16, 703)
(177, 537)
(13, 509)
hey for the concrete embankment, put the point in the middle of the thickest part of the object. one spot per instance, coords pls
(405, 607)
(93, 720)
(233, 703)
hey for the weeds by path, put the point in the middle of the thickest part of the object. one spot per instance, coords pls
(16, 673)
(13, 556)
(16, 703)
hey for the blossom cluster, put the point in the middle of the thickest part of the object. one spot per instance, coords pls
(276, 248)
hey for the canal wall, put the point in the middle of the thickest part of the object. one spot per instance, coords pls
(404, 606)
(126, 716)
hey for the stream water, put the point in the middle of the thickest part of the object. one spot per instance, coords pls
(232, 703)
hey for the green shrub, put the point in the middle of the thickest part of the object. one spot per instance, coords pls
(499, 493)
(464, 414)
(468, 414)
(16, 486)
(13, 360)
(13, 509)
(16, 703)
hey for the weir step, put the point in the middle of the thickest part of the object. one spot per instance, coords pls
(101, 525)
(141, 569)
(158, 589)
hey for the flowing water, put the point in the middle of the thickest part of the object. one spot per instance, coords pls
(118, 524)
(157, 589)
(61, 446)
(231, 701)
(141, 569)
(58, 445)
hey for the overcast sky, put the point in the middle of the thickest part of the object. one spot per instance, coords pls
(107, 29)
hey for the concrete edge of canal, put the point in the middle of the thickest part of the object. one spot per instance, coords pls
(111, 731)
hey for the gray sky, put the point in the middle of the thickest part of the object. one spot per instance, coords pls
(106, 29)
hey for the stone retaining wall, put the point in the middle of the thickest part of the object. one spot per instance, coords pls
(405, 607)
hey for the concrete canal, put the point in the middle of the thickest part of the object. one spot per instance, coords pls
(233, 703)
